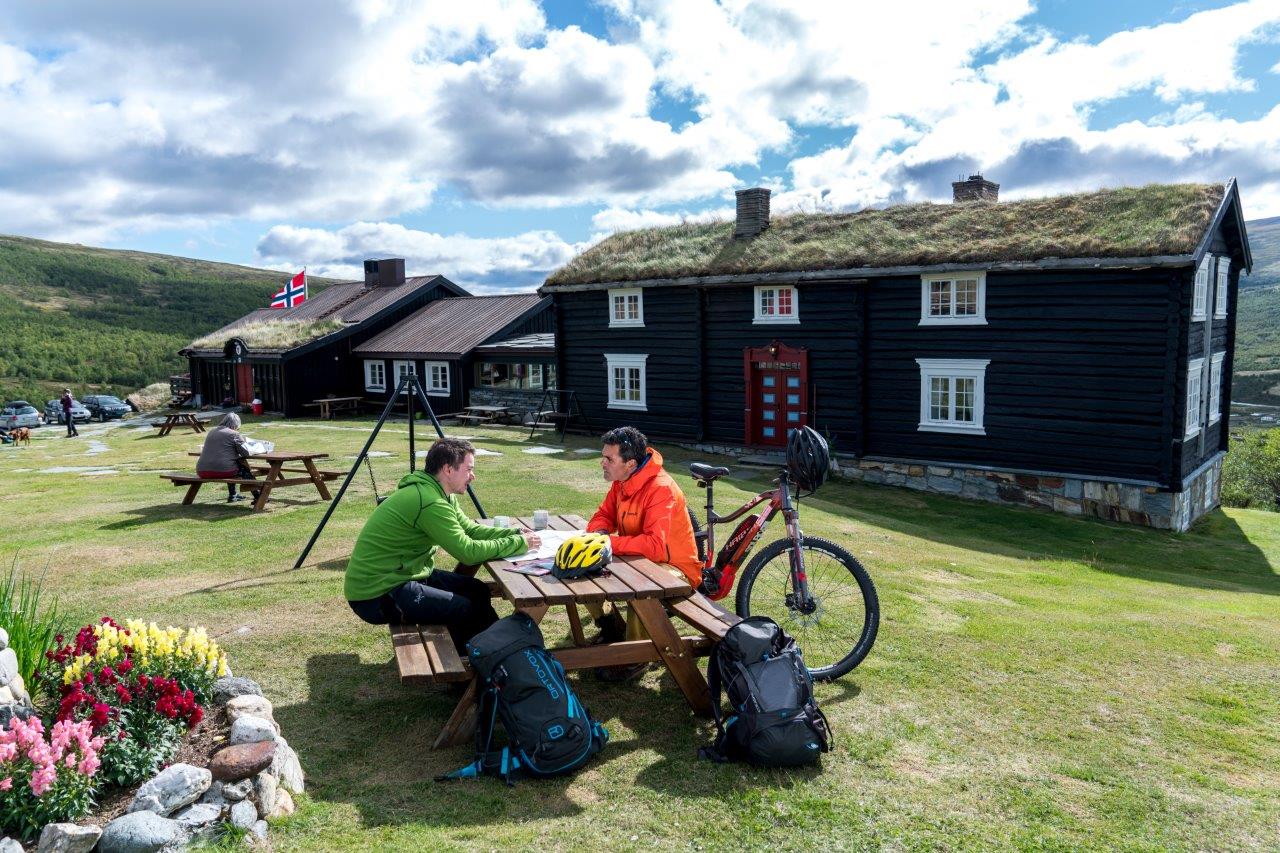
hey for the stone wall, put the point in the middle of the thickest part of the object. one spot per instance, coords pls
(1113, 501)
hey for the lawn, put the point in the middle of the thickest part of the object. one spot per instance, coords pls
(1039, 682)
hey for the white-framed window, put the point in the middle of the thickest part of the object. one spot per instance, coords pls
(626, 307)
(626, 376)
(1215, 387)
(1201, 297)
(776, 304)
(952, 393)
(953, 299)
(436, 374)
(400, 369)
(1194, 409)
(375, 375)
(1220, 295)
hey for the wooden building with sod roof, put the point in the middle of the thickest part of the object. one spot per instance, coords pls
(1071, 352)
(288, 357)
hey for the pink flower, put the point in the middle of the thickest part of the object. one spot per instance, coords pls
(88, 765)
(42, 780)
(70, 760)
(6, 783)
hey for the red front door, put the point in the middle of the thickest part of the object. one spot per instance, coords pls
(777, 392)
(244, 383)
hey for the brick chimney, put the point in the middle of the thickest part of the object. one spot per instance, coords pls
(753, 213)
(975, 189)
(388, 272)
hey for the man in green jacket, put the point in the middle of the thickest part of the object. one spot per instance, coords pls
(391, 576)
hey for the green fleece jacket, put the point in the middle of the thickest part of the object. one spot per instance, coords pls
(399, 541)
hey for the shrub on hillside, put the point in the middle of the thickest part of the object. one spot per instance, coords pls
(1251, 472)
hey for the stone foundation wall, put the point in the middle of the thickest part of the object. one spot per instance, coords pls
(1131, 504)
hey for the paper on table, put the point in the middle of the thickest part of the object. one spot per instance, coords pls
(551, 542)
(257, 445)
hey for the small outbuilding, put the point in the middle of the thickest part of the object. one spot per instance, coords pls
(1071, 352)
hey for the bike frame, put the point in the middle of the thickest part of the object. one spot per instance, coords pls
(739, 547)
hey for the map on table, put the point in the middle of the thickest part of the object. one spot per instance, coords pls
(551, 542)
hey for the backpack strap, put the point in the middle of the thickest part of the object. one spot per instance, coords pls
(485, 760)
(714, 751)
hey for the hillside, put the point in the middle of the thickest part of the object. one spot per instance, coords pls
(110, 320)
(1257, 369)
(1264, 240)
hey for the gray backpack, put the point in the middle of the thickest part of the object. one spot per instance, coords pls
(775, 720)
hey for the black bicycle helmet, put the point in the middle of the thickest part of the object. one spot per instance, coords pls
(808, 459)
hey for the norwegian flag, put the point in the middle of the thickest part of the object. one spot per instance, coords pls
(293, 294)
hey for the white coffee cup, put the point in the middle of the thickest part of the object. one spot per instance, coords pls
(540, 519)
(501, 521)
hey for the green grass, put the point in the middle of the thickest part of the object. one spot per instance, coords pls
(1040, 682)
(1125, 222)
(271, 335)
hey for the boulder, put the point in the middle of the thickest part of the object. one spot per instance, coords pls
(265, 787)
(8, 666)
(19, 689)
(9, 845)
(284, 805)
(4, 639)
(259, 830)
(228, 687)
(251, 729)
(250, 705)
(287, 768)
(196, 817)
(67, 838)
(237, 791)
(142, 832)
(14, 709)
(172, 788)
(243, 814)
(242, 760)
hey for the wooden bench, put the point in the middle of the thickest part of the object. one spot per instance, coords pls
(425, 654)
(193, 482)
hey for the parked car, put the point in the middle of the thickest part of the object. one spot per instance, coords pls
(104, 407)
(19, 413)
(53, 412)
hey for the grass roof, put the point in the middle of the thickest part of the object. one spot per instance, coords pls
(271, 334)
(1159, 219)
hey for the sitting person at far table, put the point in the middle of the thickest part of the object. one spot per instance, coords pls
(392, 575)
(224, 455)
(645, 515)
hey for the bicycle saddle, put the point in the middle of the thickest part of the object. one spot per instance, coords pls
(706, 473)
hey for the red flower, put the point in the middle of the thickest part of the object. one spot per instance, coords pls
(123, 694)
(108, 675)
(143, 681)
(125, 666)
(58, 639)
(100, 714)
(88, 677)
(196, 716)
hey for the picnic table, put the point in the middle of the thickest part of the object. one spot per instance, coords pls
(274, 478)
(654, 591)
(330, 405)
(175, 419)
(486, 414)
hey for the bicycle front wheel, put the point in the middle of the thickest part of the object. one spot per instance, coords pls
(837, 628)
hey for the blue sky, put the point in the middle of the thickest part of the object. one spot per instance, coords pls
(490, 141)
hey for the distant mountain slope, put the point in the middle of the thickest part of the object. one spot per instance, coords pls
(1257, 368)
(110, 319)
(1264, 242)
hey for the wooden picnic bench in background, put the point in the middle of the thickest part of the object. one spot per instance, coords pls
(331, 405)
(274, 476)
(175, 419)
(485, 414)
(425, 654)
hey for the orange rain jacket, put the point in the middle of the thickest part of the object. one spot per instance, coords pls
(646, 516)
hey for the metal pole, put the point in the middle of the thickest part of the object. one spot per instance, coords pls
(413, 456)
(350, 476)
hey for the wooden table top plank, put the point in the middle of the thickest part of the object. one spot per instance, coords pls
(286, 456)
(714, 609)
(584, 589)
(671, 585)
(638, 582)
(612, 587)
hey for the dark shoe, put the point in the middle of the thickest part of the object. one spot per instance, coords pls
(613, 629)
(234, 498)
(621, 674)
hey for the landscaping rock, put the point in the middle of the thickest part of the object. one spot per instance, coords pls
(4, 639)
(228, 687)
(265, 787)
(68, 838)
(18, 688)
(14, 709)
(142, 832)
(251, 706)
(8, 666)
(237, 791)
(196, 818)
(8, 845)
(214, 796)
(242, 761)
(171, 789)
(287, 768)
(243, 814)
(250, 729)
(284, 805)
(259, 830)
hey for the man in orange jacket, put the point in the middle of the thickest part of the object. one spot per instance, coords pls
(645, 515)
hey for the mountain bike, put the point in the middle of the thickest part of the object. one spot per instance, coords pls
(816, 590)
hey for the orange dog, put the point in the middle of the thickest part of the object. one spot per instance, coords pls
(22, 435)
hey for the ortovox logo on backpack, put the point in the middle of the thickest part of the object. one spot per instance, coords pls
(549, 732)
(775, 721)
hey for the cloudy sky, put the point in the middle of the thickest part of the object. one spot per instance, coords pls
(490, 140)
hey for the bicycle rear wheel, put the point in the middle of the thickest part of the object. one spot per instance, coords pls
(841, 627)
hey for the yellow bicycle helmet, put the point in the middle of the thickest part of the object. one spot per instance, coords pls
(582, 555)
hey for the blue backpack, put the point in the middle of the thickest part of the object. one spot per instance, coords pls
(549, 732)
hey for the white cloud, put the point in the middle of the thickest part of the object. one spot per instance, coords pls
(614, 219)
(484, 264)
